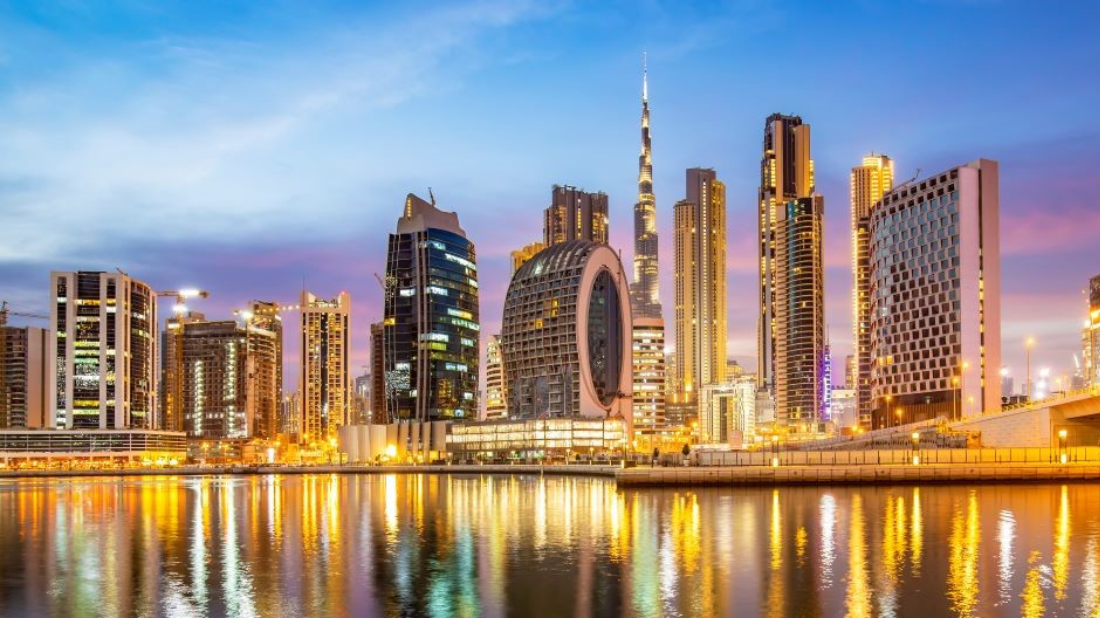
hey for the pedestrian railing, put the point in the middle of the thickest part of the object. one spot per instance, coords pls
(898, 456)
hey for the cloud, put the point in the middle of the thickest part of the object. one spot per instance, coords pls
(218, 138)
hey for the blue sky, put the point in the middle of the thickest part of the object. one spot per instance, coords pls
(249, 147)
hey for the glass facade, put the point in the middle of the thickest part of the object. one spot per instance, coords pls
(605, 337)
(431, 326)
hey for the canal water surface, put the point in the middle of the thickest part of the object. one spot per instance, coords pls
(483, 545)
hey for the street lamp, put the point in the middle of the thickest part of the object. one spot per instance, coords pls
(1027, 347)
(898, 414)
(955, 398)
(916, 448)
(1062, 435)
(775, 450)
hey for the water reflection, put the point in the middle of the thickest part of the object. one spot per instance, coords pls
(474, 545)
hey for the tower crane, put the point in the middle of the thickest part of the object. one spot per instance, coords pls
(5, 312)
(181, 297)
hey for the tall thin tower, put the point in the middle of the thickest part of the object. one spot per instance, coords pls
(644, 291)
(700, 306)
(786, 174)
(869, 182)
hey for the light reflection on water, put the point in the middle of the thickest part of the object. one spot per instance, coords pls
(481, 545)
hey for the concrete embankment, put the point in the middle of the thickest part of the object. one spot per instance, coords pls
(729, 476)
(605, 471)
(858, 475)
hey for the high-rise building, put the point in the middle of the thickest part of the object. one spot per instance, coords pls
(851, 372)
(935, 288)
(786, 174)
(799, 372)
(700, 278)
(104, 374)
(324, 380)
(378, 398)
(360, 401)
(1091, 335)
(727, 412)
(25, 361)
(171, 368)
(431, 325)
(496, 406)
(649, 377)
(528, 251)
(574, 214)
(566, 336)
(869, 182)
(225, 384)
(265, 329)
(290, 416)
(645, 299)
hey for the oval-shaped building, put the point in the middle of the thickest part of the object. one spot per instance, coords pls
(566, 334)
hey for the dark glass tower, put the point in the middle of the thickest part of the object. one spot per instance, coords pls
(431, 327)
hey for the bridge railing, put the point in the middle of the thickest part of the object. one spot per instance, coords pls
(880, 457)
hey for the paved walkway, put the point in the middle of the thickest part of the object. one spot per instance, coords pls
(857, 474)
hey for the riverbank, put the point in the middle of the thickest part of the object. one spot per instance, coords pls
(661, 477)
(859, 474)
(582, 470)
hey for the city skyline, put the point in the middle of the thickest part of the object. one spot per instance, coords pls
(236, 202)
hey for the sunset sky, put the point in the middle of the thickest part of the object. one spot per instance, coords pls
(252, 148)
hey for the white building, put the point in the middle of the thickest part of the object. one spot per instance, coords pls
(105, 374)
(649, 377)
(727, 412)
(496, 407)
(935, 292)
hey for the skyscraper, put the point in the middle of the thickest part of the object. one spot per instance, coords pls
(700, 278)
(265, 329)
(105, 370)
(566, 335)
(431, 325)
(324, 381)
(226, 387)
(935, 287)
(495, 405)
(869, 182)
(649, 377)
(25, 360)
(290, 416)
(644, 290)
(800, 371)
(786, 173)
(574, 214)
(361, 410)
(378, 398)
(1091, 335)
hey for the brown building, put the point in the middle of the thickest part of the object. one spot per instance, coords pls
(24, 370)
(574, 214)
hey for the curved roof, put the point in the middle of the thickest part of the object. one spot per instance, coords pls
(569, 254)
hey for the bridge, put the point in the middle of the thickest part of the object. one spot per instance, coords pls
(1067, 419)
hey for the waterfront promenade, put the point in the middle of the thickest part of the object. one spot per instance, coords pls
(672, 476)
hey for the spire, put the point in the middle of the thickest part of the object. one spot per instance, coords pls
(645, 85)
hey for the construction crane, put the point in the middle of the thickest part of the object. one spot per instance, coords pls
(181, 297)
(274, 309)
(5, 312)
